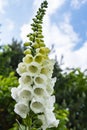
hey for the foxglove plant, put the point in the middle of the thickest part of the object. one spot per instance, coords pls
(36, 85)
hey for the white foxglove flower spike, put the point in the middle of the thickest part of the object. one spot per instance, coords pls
(36, 85)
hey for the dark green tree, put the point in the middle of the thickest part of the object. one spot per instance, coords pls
(71, 94)
(10, 56)
(7, 115)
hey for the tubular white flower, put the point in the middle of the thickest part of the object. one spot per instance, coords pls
(46, 70)
(38, 58)
(26, 79)
(14, 93)
(50, 118)
(22, 109)
(25, 94)
(33, 68)
(28, 59)
(40, 91)
(50, 85)
(49, 62)
(22, 68)
(44, 122)
(40, 80)
(37, 105)
(49, 89)
(49, 103)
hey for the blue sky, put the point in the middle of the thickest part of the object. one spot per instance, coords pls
(65, 26)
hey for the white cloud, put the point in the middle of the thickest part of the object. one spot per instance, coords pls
(3, 4)
(76, 58)
(60, 34)
(78, 3)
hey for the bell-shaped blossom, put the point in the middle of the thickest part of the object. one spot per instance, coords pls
(26, 79)
(22, 68)
(33, 68)
(14, 93)
(50, 119)
(49, 103)
(46, 70)
(39, 58)
(50, 85)
(44, 122)
(28, 58)
(40, 91)
(26, 93)
(49, 62)
(40, 80)
(22, 109)
(37, 105)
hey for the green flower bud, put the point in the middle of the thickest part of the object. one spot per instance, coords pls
(27, 44)
(27, 51)
(36, 45)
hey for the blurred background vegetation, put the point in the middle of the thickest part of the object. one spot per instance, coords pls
(70, 91)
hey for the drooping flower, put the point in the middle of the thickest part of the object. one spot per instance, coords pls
(22, 109)
(14, 93)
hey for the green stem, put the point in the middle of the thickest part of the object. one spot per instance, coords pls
(28, 123)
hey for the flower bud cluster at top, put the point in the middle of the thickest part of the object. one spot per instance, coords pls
(36, 85)
(36, 37)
